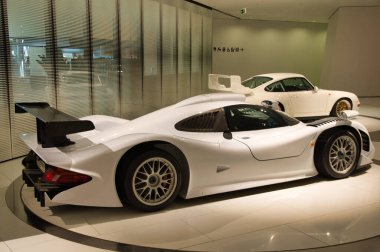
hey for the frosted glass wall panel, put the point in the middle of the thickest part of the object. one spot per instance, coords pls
(73, 57)
(105, 73)
(184, 52)
(31, 63)
(206, 49)
(169, 53)
(196, 52)
(152, 55)
(116, 57)
(131, 60)
(5, 133)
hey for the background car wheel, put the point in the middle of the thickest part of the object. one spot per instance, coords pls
(339, 106)
(337, 155)
(151, 181)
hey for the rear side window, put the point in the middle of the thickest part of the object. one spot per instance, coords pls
(211, 121)
(255, 81)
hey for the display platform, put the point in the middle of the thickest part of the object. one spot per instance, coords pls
(311, 213)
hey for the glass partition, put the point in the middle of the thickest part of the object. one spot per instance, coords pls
(105, 75)
(152, 55)
(114, 57)
(5, 129)
(169, 53)
(31, 62)
(73, 53)
(196, 52)
(206, 48)
(184, 51)
(131, 59)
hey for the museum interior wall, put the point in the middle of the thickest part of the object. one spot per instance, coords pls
(353, 51)
(124, 58)
(268, 46)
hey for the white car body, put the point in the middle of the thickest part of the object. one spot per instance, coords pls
(215, 164)
(308, 103)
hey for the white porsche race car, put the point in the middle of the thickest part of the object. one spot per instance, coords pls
(295, 94)
(204, 145)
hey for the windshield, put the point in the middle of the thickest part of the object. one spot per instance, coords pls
(255, 81)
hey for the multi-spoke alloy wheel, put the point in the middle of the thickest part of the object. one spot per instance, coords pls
(342, 154)
(340, 106)
(154, 181)
(337, 154)
(150, 180)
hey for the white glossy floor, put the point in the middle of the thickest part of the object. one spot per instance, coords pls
(303, 214)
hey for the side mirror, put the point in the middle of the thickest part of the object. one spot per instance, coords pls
(227, 134)
(316, 89)
(271, 104)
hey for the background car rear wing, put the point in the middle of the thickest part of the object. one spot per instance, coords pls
(53, 125)
(227, 83)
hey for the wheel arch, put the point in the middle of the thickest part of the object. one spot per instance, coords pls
(326, 133)
(332, 104)
(160, 145)
(324, 168)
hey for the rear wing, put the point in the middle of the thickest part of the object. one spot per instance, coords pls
(227, 83)
(53, 125)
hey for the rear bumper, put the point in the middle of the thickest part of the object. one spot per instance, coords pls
(32, 176)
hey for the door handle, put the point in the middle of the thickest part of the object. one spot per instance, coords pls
(294, 96)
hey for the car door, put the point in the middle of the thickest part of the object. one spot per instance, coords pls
(274, 142)
(305, 100)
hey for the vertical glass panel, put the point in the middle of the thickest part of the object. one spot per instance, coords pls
(206, 49)
(105, 74)
(131, 62)
(169, 53)
(74, 84)
(31, 62)
(184, 55)
(5, 133)
(152, 55)
(196, 52)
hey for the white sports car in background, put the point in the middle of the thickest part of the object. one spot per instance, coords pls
(295, 94)
(204, 145)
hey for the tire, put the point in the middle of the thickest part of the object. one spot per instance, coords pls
(337, 155)
(151, 181)
(341, 105)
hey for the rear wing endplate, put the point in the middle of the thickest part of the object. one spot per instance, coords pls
(227, 83)
(53, 125)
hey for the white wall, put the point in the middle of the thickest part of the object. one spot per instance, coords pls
(352, 56)
(269, 46)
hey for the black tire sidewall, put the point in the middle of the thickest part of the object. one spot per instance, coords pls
(323, 157)
(333, 110)
(127, 180)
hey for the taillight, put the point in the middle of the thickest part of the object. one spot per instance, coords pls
(61, 176)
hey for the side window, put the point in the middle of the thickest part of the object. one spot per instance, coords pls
(251, 117)
(307, 84)
(275, 87)
(211, 121)
(296, 84)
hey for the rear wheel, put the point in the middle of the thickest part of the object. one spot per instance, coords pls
(337, 155)
(340, 106)
(151, 181)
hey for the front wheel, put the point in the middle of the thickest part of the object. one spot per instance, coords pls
(337, 156)
(340, 106)
(151, 181)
